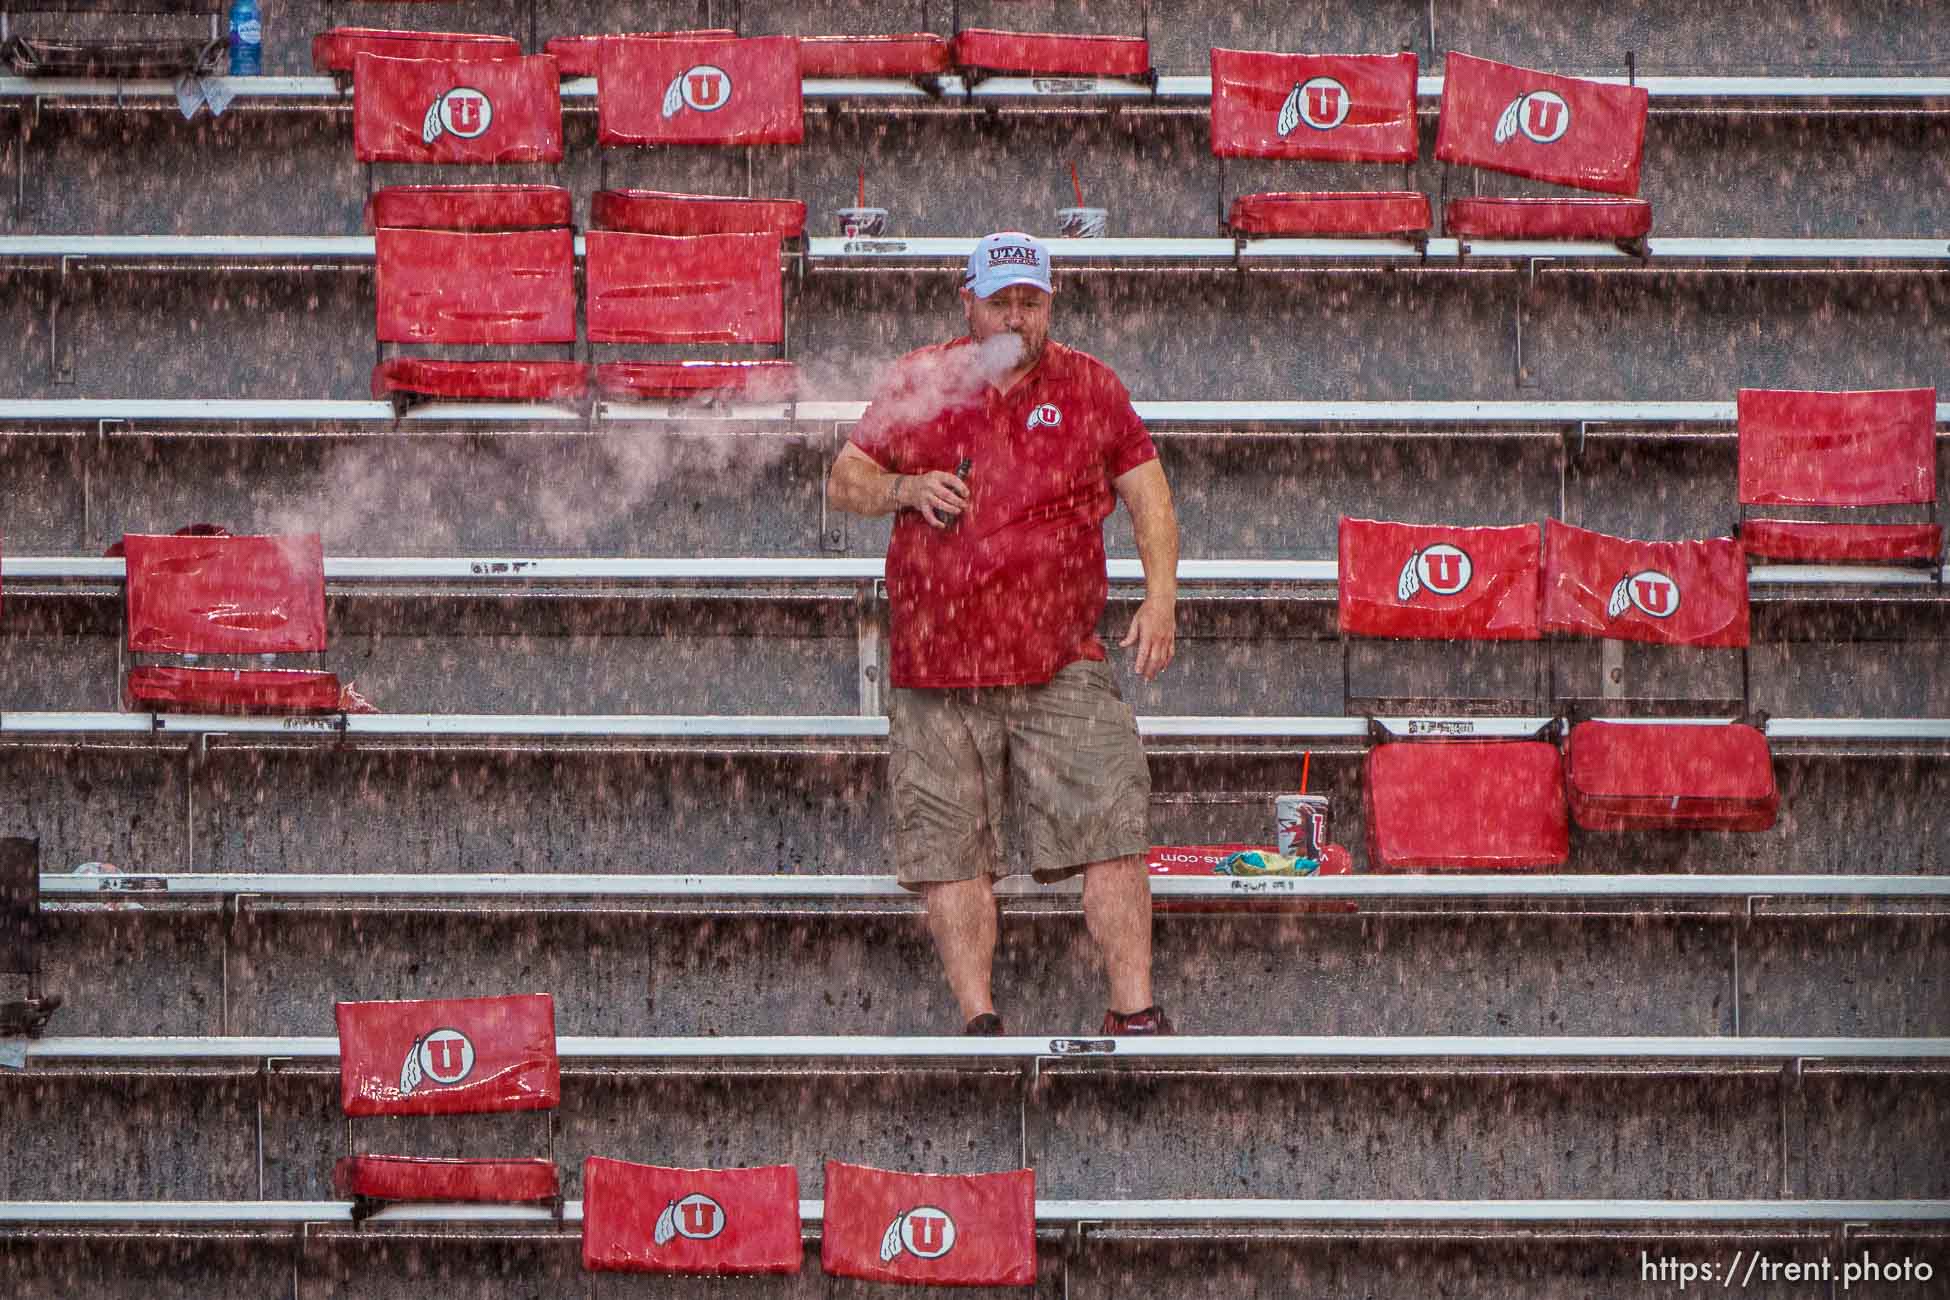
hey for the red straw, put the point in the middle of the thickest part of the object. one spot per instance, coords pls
(1075, 186)
(1306, 761)
(863, 189)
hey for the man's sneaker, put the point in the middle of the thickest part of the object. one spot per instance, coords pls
(1151, 1020)
(986, 1025)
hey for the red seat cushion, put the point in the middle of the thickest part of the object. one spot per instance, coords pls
(1568, 218)
(679, 90)
(454, 1056)
(1784, 539)
(481, 111)
(1053, 55)
(1314, 107)
(483, 381)
(578, 56)
(335, 50)
(225, 690)
(1650, 776)
(651, 1219)
(656, 212)
(754, 381)
(682, 288)
(431, 1178)
(1374, 212)
(929, 1229)
(475, 287)
(912, 54)
(470, 207)
(1873, 447)
(1670, 593)
(201, 593)
(1466, 805)
(1431, 582)
(1565, 130)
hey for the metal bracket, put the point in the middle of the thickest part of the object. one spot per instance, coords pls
(832, 523)
(60, 360)
(872, 632)
(29, 119)
(1526, 288)
(1029, 1084)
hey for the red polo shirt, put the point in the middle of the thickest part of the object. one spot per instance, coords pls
(1013, 592)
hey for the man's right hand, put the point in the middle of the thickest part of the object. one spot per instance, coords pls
(939, 496)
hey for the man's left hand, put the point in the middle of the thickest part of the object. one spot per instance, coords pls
(1154, 630)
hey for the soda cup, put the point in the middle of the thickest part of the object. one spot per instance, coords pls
(1300, 825)
(862, 223)
(1082, 223)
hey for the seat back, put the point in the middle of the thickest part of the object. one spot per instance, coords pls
(20, 905)
(1670, 593)
(464, 287)
(653, 1219)
(709, 92)
(657, 212)
(1670, 776)
(470, 207)
(904, 54)
(683, 289)
(922, 1229)
(448, 1057)
(1526, 123)
(456, 111)
(1314, 107)
(225, 595)
(581, 56)
(1051, 54)
(1837, 448)
(1425, 581)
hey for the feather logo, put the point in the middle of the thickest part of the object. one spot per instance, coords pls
(443, 1055)
(706, 88)
(1506, 123)
(666, 1225)
(1290, 112)
(462, 111)
(925, 1232)
(890, 1240)
(1621, 598)
(1411, 580)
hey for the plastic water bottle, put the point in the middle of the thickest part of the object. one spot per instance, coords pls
(246, 39)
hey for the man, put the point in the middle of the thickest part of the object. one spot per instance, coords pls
(999, 454)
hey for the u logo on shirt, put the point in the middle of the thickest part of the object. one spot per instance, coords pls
(1046, 416)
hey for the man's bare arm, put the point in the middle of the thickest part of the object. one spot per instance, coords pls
(860, 487)
(1154, 628)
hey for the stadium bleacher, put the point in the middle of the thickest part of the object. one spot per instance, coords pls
(1678, 999)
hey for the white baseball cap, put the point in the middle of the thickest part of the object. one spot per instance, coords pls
(1005, 258)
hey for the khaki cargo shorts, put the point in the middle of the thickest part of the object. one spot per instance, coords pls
(1068, 747)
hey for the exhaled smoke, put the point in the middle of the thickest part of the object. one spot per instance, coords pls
(927, 386)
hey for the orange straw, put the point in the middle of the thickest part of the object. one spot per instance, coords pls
(1075, 186)
(863, 189)
(1306, 761)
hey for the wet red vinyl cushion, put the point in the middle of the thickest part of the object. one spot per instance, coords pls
(908, 54)
(1566, 218)
(756, 381)
(441, 286)
(470, 207)
(335, 50)
(1051, 54)
(708, 92)
(656, 212)
(1527, 123)
(1651, 776)
(453, 111)
(230, 690)
(435, 1178)
(1787, 539)
(482, 381)
(225, 595)
(944, 1230)
(1466, 805)
(1316, 107)
(1378, 212)
(448, 1057)
(683, 289)
(652, 1219)
(1429, 581)
(580, 56)
(1875, 447)
(1672, 593)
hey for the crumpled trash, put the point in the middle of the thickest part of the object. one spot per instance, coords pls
(1334, 860)
(194, 92)
(350, 701)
